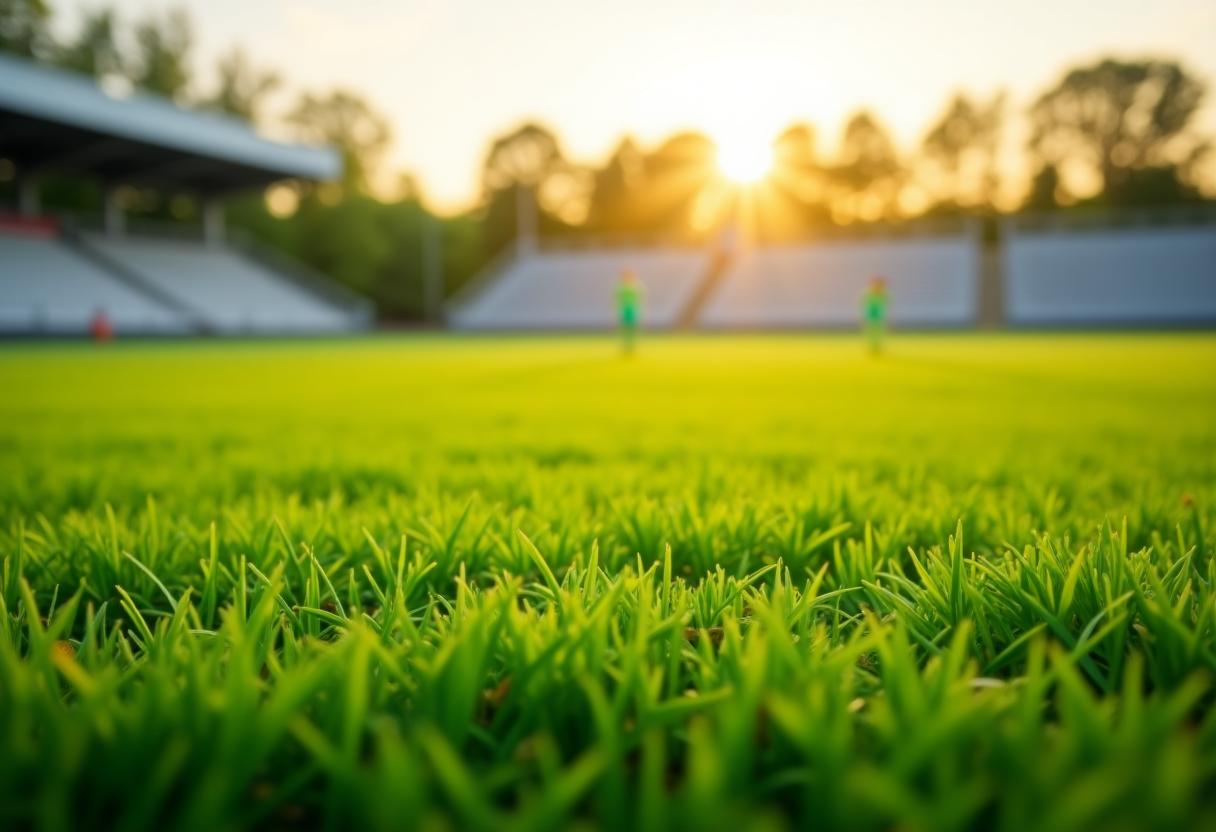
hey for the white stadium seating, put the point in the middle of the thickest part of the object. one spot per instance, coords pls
(46, 287)
(227, 292)
(574, 290)
(1134, 276)
(932, 282)
(49, 285)
(55, 279)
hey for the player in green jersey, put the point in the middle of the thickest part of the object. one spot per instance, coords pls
(629, 307)
(874, 305)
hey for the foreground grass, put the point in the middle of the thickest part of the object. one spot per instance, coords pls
(743, 583)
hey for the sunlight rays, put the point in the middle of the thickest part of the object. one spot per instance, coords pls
(744, 159)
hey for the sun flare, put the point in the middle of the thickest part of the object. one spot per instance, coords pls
(744, 160)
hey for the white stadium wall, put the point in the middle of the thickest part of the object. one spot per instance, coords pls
(575, 290)
(1138, 276)
(933, 282)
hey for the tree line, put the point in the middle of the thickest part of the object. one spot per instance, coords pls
(1109, 134)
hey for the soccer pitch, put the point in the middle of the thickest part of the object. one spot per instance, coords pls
(753, 582)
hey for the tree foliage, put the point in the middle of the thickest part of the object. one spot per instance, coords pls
(655, 192)
(526, 156)
(531, 157)
(242, 88)
(345, 120)
(1112, 119)
(794, 160)
(615, 186)
(796, 193)
(960, 151)
(23, 28)
(865, 184)
(95, 50)
(162, 53)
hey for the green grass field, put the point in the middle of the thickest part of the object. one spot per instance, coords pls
(739, 583)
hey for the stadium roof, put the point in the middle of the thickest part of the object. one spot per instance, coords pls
(57, 121)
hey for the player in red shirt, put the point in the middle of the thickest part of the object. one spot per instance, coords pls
(101, 328)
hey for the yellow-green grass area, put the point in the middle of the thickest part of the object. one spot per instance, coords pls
(741, 582)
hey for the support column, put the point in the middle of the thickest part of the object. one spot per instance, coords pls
(525, 212)
(213, 221)
(115, 218)
(432, 269)
(29, 203)
(991, 290)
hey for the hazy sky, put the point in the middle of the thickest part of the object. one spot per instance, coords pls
(452, 74)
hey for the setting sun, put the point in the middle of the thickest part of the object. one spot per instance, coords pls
(740, 101)
(744, 160)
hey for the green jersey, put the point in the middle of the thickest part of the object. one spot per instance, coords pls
(874, 305)
(629, 302)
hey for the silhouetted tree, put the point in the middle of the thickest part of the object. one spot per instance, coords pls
(960, 152)
(794, 152)
(24, 28)
(526, 156)
(242, 87)
(1115, 118)
(680, 197)
(789, 202)
(530, 157)
(94, 51)
(348, 122)
(617, 187)
(1044, 189)
(162, 59)
(1156, 185)
(866, 182)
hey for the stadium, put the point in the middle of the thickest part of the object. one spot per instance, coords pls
(718, 478)
(59, 273)
(1132, 269)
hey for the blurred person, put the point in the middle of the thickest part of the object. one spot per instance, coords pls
(100, 327)
(874, 305)
(629, 295)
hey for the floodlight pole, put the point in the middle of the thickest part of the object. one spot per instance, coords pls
(115, 219)
(213, 221)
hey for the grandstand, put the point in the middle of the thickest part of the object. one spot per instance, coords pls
(573, 290)
(47, 287)
(1084, 269)
(227, 291)
(57, 274)
(1142, 275)
(933, 282)
(55, 279)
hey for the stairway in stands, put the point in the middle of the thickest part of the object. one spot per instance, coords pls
(718, 266)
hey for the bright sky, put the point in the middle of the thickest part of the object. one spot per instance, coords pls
(453, 74)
